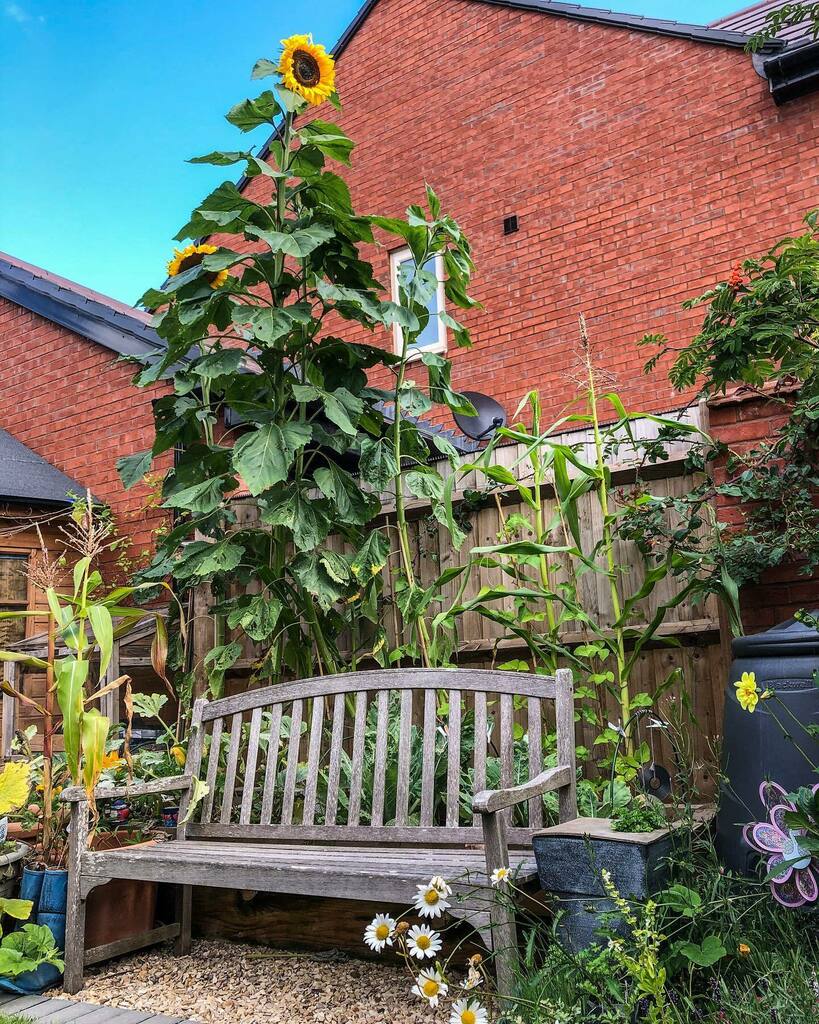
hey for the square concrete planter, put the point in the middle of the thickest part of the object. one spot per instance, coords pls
(570, 858)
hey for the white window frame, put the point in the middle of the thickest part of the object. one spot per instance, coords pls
(397, 257)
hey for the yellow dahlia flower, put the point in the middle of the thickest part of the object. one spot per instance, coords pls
(307, 69)
(747, 693)
(192, 256)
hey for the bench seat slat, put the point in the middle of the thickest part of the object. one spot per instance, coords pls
(272, 765)
(310, 870)
(354, 814)
(506, 748)
(380, 759)
(294, 742)
(230, 775)
(535, 735)
(313, 755)
(213, 767)
(428, 758)
(334, 771)
(250, 766)
(453, 764)
(404, 752)
(481, 726)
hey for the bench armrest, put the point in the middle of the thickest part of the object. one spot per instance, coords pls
(490, 800)
(76, 794)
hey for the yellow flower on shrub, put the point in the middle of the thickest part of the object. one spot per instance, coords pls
(747, 693)
(179, 755)
(307, 69)
(191, 256)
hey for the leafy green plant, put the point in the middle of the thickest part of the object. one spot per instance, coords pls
(759, 335)
(640, 815)
(28, 948)
(544, 556)
(81, 618)
(267, 393)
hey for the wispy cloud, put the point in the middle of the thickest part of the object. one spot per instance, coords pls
(15, 12)
(19, 14)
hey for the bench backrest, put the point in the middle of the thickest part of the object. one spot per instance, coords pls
(382, 756)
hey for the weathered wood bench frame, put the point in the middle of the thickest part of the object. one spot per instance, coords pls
(231, 850)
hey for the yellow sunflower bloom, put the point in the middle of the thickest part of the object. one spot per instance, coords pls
(747, 693)
(192, 256)
(307, 69)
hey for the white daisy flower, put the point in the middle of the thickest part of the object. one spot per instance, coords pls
(472, 979)
(431, 986)
(500, 875)
(423, 942)
(378, 932)
(466, 1012)
(441, 885)
(430, 901)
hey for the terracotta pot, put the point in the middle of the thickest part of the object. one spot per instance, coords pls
(122, 907)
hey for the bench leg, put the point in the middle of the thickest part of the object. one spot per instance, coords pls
(184, 904)
(501, 912)
(74, 944)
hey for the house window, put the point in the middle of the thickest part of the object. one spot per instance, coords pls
(402, 269)
(13, 596)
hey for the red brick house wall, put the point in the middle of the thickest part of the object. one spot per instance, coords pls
(70, 401)
(640, 166)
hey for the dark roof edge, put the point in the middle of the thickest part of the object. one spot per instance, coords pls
(635, 22)
(91, 319)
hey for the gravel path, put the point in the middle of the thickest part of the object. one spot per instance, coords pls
(223, 982)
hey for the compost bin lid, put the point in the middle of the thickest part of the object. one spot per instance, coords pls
(791, 638)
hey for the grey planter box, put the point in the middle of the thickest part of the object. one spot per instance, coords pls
(570, 858)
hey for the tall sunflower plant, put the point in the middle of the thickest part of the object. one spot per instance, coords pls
(270, 400)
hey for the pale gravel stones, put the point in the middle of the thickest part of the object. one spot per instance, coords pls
(223, 982)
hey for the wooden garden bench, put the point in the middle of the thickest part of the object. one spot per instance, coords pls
(368, 818)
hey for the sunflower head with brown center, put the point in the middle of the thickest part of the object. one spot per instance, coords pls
(191, 256)
(307, 69)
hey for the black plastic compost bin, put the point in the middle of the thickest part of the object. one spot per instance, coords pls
(756, 746)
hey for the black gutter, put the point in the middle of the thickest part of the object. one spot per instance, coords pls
(794, 72)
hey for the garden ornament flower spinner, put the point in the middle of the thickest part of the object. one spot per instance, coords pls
(798, 884)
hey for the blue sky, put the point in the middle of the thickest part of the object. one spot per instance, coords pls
(101, 102)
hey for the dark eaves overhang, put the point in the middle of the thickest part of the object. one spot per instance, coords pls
(793, 72)
(73, 307)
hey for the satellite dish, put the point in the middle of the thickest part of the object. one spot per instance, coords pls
(655, 780)
(490, 416)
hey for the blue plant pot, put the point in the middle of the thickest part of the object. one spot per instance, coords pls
(48, 891)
